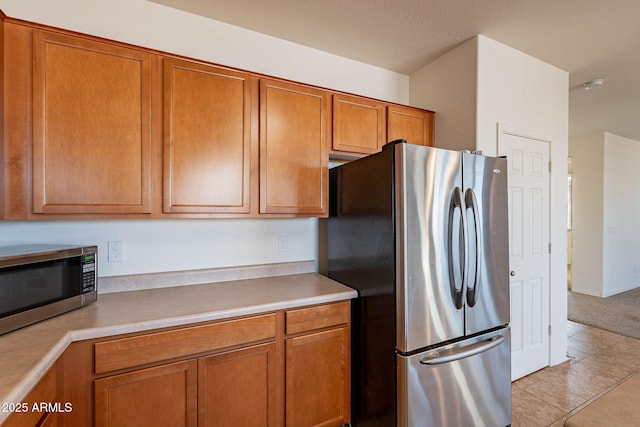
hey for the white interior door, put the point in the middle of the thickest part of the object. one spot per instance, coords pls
(528, 164)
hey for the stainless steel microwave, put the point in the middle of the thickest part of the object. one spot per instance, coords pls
(41, 281)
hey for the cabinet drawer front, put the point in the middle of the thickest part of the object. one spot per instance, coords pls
(134, 351)
(323, 316)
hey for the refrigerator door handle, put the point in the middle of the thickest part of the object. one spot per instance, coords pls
(436, 358)
(472, 289)
(457, 202)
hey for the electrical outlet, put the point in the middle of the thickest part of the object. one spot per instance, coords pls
(283, 243)
(116, 251)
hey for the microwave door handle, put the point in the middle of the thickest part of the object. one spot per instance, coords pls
(457, 202)
(473, 290)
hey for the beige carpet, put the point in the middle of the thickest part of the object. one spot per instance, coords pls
(618, 313)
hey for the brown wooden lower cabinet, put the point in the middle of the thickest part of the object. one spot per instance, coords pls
(288, 368)
(234, 388)
(29, 412)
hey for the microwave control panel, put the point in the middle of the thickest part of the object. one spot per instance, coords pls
(88, 272)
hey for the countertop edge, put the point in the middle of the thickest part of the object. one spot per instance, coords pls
(169, 322)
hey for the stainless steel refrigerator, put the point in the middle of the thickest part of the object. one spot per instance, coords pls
(422, 234)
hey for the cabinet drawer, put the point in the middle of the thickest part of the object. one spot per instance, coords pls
(139, 350)
(323, 316)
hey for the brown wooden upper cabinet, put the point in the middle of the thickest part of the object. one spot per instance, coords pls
(100, 129)
(207, 139)
(91, 126)
(293, 148)
(359, 124)
(412, 124)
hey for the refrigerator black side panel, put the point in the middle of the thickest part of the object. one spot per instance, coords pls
(361, 254)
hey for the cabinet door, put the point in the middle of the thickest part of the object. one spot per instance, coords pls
(91, 126)
(49, 420)
(412, 124)
(44, 392)
(293, 153)
(207, 139)
(160, 396)
(237, 388)
(317, 379)
(358, 124)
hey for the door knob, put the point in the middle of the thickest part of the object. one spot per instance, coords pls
(512, 273)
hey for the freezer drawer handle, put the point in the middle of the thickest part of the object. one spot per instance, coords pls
(435, 358)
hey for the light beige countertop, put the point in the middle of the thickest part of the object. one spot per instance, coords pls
(27, 354)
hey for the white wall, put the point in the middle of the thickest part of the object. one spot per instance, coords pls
(606, 209)
(173, 245)
(448, 86)
(518, 90)
(621, 219)
(159, 27)
(587, 153)
(522, 92)
(165, 245)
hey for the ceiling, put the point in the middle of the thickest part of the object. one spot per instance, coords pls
(587, 38)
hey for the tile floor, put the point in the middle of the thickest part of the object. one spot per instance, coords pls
(598, 361)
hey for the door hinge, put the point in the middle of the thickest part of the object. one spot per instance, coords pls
(549, 247)
(549, 166)
(549, 330)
